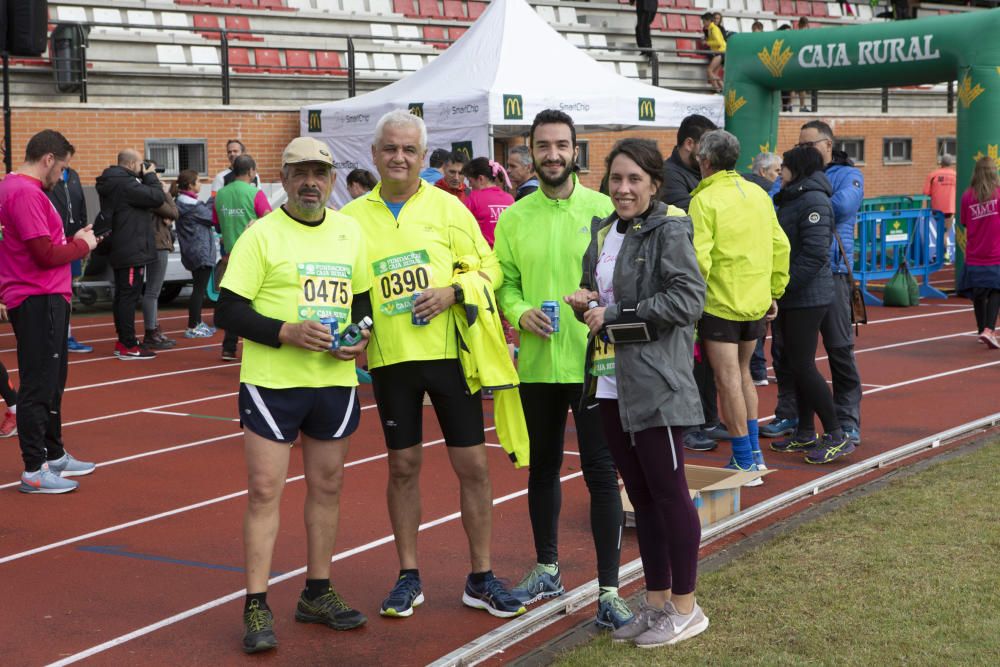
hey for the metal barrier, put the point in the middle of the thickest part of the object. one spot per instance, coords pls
(887, 238)
(895, 202)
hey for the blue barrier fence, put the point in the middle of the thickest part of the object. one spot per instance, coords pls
(888, 238)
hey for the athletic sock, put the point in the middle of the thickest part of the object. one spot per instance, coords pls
(754, 434)
(261, 599)
(479, 578)
(315, 588)
(409, 573)
(742, 452)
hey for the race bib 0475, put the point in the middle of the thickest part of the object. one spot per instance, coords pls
(324, 291)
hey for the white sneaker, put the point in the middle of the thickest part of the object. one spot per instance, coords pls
(671, 627)
(45, 481)
(68, 466)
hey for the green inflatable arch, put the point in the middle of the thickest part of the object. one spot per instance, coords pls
(961, 47)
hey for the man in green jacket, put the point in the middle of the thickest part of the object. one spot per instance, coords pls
(540, 242)
(237, 206)
(743, 256)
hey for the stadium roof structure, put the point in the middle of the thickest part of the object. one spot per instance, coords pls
(491, 82)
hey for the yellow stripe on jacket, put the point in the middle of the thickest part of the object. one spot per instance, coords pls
(485, 359)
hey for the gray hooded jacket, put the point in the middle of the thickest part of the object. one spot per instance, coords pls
(657, 273)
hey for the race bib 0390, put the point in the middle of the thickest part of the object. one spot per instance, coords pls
(398, 277)
(324, 291)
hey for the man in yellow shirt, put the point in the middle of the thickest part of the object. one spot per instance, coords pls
(414, 233)
(294, 266)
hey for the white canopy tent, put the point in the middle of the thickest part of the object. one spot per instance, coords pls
(491, 83)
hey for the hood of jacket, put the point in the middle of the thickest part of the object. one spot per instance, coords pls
(815, 182)
(840, 159)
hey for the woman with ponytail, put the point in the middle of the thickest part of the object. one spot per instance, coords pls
(487, 200)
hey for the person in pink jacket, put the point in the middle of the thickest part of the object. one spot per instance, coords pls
(487, 200)
(980, 213)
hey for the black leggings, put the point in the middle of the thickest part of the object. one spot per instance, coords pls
(7, 390)
(545, 408)
(986, 304)
(651, 464)
(799, 336)
(200, 277)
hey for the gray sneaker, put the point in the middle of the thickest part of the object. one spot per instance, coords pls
(45, 481)
(640, 623)
(671, 627)
(68, 466)
(538, 584)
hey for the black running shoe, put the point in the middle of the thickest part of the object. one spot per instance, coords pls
(329, 609)
(259, 629)
(796, 443)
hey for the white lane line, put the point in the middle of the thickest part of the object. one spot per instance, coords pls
(77, 327)
(178, 510)
(150, 377)
(108, 340)
(112, 357)
(235, 595)
(873, 386)
(966, 309)
(126, 413)
(187, 414)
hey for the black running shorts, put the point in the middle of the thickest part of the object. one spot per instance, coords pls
(719, 330)
(322, 413)
(399, 393)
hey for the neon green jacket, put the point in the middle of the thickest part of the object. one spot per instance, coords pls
(540, 244)
(742, 250)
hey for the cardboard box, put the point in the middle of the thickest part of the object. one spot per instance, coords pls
(715, 492)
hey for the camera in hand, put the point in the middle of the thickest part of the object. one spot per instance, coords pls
(147, 164)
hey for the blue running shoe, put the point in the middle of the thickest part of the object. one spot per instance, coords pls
(830, 449)
(796, 443)
(404, 596)
(73, 345)
(733, 465)
(492, 596)
(612, 611)
(854, 435)
(540, 582)
(779, 427)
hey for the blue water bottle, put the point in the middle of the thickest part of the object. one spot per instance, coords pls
(334, 327)
(551, 310)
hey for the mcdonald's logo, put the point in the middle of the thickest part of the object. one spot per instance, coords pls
(462, 147)
(315, 120)
(513, 107)
(647, 108)
(417, 109)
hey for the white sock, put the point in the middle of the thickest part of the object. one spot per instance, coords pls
(12, 409)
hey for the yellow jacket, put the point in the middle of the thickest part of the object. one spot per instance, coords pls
(485, 360)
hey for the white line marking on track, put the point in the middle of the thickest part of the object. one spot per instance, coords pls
(150, 377)
(184, 414)
(110, 323)
(114, 338)
(115, 415)
(235, 595)
(179, 510)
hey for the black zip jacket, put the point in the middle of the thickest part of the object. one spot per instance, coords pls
(130, 201)
(678, 181)
(806, 216)
(68, 198)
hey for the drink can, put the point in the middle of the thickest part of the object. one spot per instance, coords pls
(417, 321)
(332, 324)
(551, 310)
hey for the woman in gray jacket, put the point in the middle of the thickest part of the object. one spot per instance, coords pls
(198, 247)
(641, 268)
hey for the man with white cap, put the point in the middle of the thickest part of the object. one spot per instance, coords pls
(294, 266)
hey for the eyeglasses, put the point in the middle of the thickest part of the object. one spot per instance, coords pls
(810, 144)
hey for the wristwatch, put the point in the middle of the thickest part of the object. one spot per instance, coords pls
(459, 293)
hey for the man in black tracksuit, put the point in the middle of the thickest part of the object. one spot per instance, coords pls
(681, 175)
(129, 193)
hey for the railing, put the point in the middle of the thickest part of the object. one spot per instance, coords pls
(77, 70)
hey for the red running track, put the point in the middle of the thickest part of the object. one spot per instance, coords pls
(141, 565)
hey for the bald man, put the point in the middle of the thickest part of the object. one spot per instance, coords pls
(130, 192)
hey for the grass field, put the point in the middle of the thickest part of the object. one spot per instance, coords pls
(907, 575)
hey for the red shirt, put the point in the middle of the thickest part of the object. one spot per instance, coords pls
(26, 213)
(487, 205)
(940, 186)
(982, 224)
(458, 192)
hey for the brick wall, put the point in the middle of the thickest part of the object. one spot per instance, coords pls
(99, 134)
